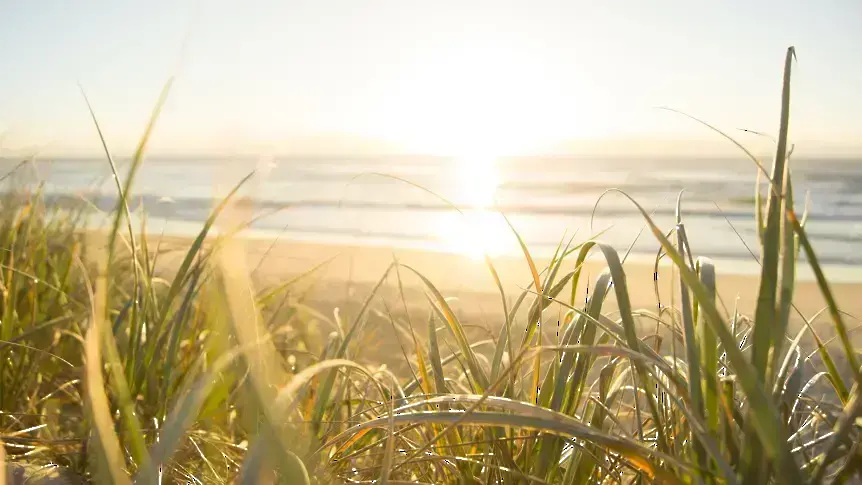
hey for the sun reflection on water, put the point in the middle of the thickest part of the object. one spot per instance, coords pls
(479, 230)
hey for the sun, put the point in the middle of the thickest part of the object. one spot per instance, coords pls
(471, 101)
(471, 106)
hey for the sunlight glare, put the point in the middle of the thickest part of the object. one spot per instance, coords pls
(475, 233)
(476, 181)
(479, 230)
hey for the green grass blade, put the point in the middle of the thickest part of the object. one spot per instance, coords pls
(764, 334)
(112, 463)
(789, 253)
(766, 424)
(585, 333)
(182, 271)
(692, 343)
(325, 389)
(823, 284)
(535, 418)
(536, 280)
(709, 347)
(434, 353)
(618, 280)
(457, 330)
(182, 416)
(847, 421)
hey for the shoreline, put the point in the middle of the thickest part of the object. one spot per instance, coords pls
(178, 230)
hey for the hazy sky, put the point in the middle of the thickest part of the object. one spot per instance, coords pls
(447, 76)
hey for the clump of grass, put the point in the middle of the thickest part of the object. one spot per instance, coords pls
(119, 375)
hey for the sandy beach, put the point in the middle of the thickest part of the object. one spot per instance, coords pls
(349, 272)
(465, 277)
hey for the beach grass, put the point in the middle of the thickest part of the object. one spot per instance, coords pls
(117, 371)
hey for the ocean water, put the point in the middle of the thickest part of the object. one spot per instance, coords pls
(378, 200)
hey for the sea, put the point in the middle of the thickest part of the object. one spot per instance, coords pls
(474, 205)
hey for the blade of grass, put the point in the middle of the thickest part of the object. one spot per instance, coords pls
(194, 249)
(550, 422)
(327, 381)
(788, 254)
(457, 330)
(766, 424)
(692, 345)
(823, 284)
(112, 463)
(709, 347)
(764, 335)
(264, 367)
(434, 353)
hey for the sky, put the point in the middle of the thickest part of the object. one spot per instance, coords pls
(447, 76)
